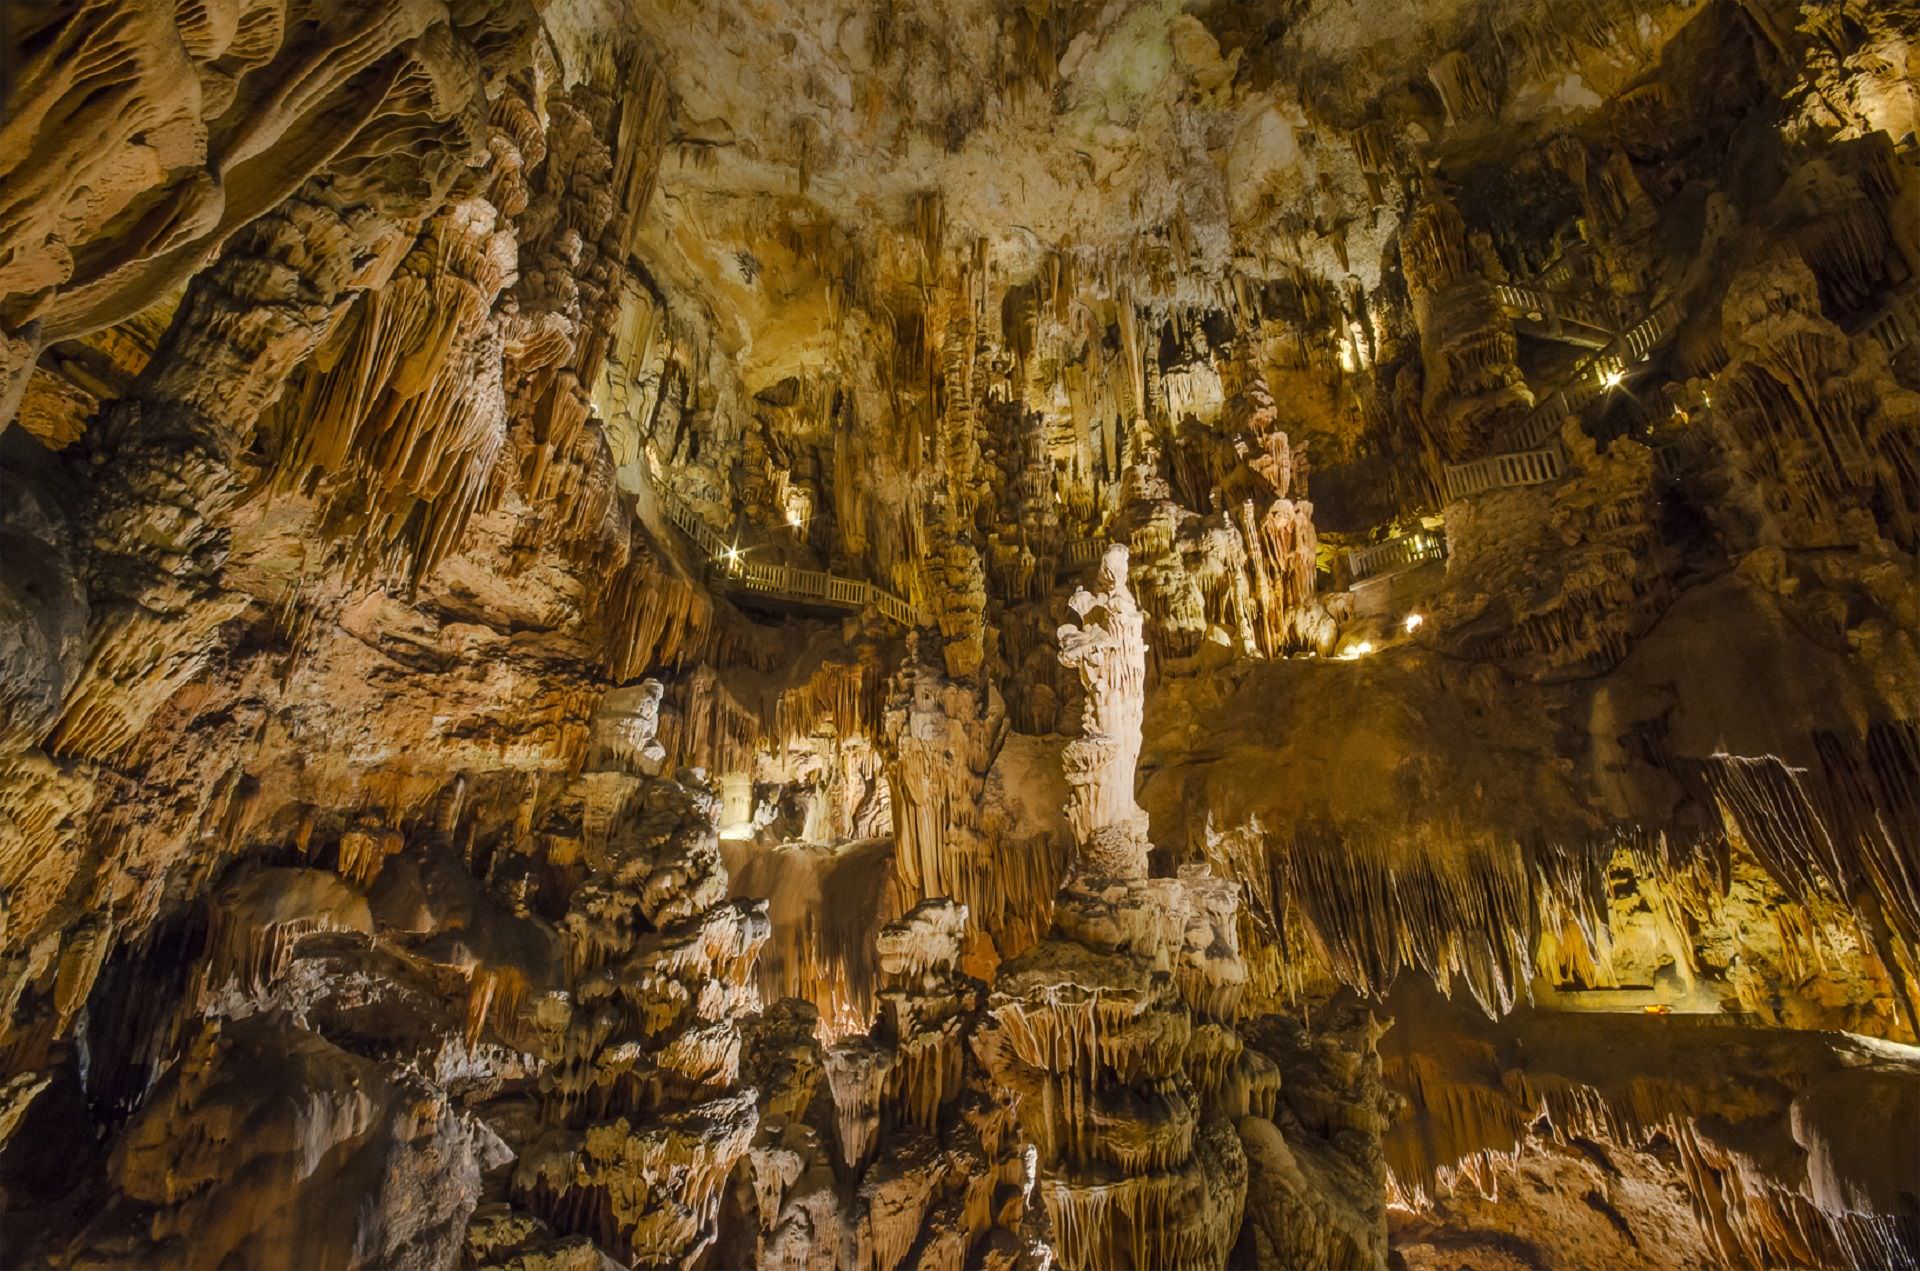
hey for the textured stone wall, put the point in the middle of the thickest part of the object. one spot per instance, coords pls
(459, 806)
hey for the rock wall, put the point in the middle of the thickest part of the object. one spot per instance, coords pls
(959, 635)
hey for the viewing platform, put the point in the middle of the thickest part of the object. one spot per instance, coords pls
(729, 569)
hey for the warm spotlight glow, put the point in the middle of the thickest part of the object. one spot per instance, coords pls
(1614, 379)
(1413, 621)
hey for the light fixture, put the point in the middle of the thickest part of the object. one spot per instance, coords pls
(1614, 379)
(1412, 622)
(794, 518)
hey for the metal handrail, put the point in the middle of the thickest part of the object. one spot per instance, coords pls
(1560, 271)
(1529, 461)
(769, 578)
(1407, 549)
(1510, 468)
(1522, 300)
(1594, 376)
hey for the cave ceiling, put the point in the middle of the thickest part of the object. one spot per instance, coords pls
(871, 635)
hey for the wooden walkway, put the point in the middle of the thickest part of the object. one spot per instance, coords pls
(1530, 452)
(1553, 315)
(728, 564)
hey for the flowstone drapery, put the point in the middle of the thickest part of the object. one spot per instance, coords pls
(956, 634)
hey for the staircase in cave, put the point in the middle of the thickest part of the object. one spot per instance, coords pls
(1552, 315)
(728, 567)
(1530, 452)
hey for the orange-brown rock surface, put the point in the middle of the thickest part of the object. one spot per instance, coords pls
(989, 634)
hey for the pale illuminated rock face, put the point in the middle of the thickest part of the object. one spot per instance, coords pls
(959, 634)
(1108, 651)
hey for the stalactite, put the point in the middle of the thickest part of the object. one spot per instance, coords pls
(256, 920)
(1813, 431)
(646, 1111)
(1752, 1211)
(652, 620)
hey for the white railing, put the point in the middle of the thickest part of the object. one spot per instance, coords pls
(1537, 304)
(1558, 274)
(769, 579)
(1515, 467)
(1083, 552)
(1604, 370)
(1527, 459)
(1645, 335)
(1395, 553)
(683, 516)
(1897, 325)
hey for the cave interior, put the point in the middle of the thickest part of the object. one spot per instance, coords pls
(959, 635)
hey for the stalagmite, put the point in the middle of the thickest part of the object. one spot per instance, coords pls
(1109, 652)
(959, 636)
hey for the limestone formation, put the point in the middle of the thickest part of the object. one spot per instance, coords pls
(961, 635)
(1109, 653)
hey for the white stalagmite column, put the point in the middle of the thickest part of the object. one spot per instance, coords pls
(1109, 650)
(736, 805)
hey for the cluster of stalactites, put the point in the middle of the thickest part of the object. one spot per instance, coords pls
(944, 735)
(402, 412)
(645, 1102)
(1221, 535)
(910, 1065)
(1754, 1207)
(929, 1143)
(1847, 828)
(1824, 442)
(1128, 1101)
